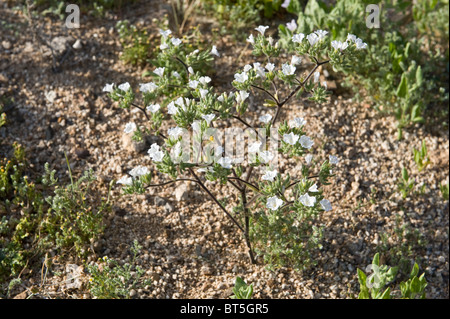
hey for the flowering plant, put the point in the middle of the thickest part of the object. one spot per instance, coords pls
(276, 212)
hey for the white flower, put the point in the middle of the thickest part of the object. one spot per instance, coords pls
(325, 85)
(153, 108)
(259, 70)
(179, 102)
(148, 87)
(316, 77)
(124, 86)
(176, 74)
(204, 80)
(306, 142)
(288, 69)
(262, 29)
(292, 26)
(312, 38)
(175, 132)
(251, 39)
(313, 189)
(190, 70)
(129, 127)
(266, 156)
(175, 41)
(208, 169)
(298, 38)
(139, 171)
(108, 88)
(218, 150)
(291, 138)
(360, 44)
(193, 84)
(286, 3)
(254, 147)
(265, 118)
(326, 205)
(241, 77)
(125, 180)
(269, 175)
(308, 159)
(270, 67)
(221, 98)
(225, 162)
(214, 51)
(321, 34)
(155, 153)
(307, 200)
(176, 151)
(203, 93)
(247, 67)
(295, 60)
(208, 118)
(334, 160)
(241, 96)
(159, 71)
(166, 33)
(338, 45)
(351, 37)
(171, 108)
(297, 122)
(164, 46)
(274, 203)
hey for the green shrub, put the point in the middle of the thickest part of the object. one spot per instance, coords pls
(43, 216)
(109, 280)
(402, 72)
(373, 286)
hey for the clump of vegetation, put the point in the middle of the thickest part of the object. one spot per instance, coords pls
(373, 286)
(241, 290)
(401, 244)
(402, 72)
(42, 215)
(109, 280)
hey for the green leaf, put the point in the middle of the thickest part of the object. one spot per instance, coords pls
(376, 259)
(414, 271)
(402, 89)
(361, 277)
(386, 294)
(419, 76)
(405, 175)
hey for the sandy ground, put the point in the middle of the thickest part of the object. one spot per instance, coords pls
(190, 247)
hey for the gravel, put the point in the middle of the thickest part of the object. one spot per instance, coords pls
(191, 249)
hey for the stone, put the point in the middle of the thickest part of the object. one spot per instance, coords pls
(132, 146)
(77, 45)
(181, 192)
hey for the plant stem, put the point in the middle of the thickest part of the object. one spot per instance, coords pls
(215, 199)
(247, 225)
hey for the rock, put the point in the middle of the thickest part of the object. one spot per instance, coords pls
(159, 201)
(77, 45)
(82, 153)
(206, 270)
(60, 44)
(6, 45)
(22, 295)
(132, 146)
(169, 208)
(181, 192)
(3, 78)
